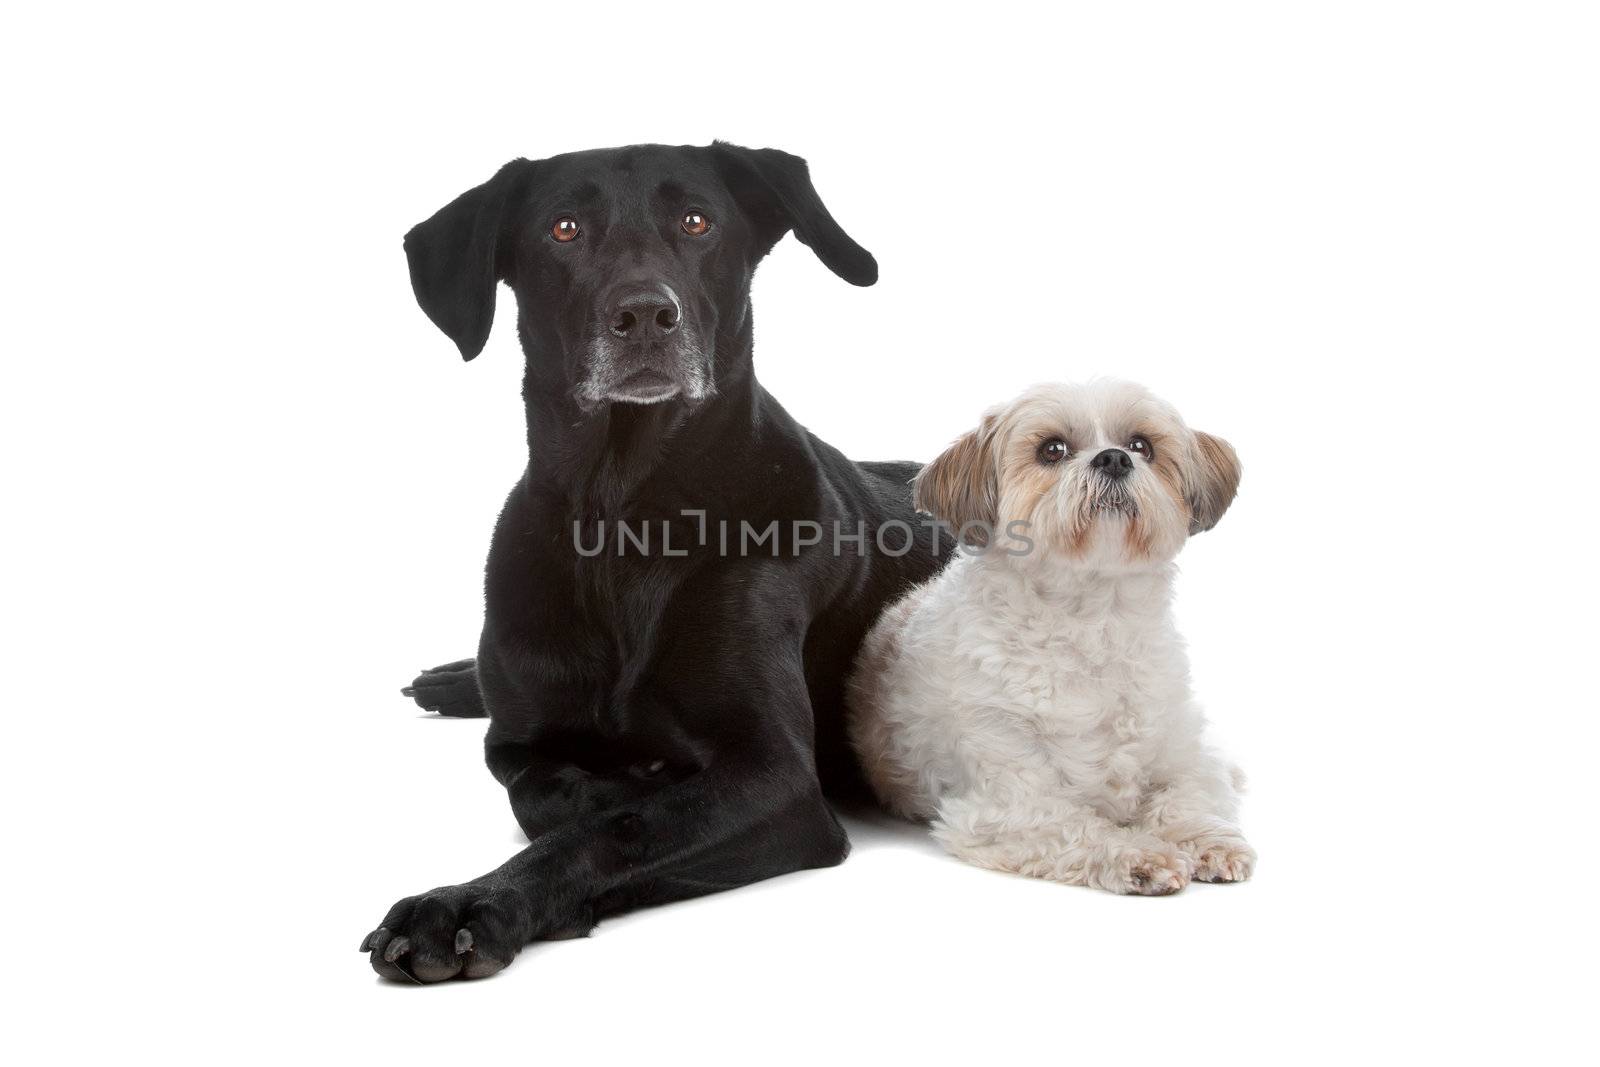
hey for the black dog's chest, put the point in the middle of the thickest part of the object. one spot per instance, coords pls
(589, 641)
(616, 652)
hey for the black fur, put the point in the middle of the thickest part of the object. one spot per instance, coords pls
(666, 726)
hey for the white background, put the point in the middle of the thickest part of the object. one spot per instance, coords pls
(249, 489)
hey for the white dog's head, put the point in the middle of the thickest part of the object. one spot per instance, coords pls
(1103, 475)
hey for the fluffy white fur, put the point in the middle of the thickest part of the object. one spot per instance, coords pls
(1035, 705)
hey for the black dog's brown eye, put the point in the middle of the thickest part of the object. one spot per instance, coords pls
(1140, 446)
(1053, 451)
(696, 224)
(564, 229)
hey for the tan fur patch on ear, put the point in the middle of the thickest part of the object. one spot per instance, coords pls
(1213, 481)
(961, 486)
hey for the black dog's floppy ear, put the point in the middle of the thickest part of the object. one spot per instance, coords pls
(460, 254)
(775, 188)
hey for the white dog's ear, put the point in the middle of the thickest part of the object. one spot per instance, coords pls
(962, 486)
(1213, 479)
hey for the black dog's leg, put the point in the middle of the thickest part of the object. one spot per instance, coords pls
(764, 851)
(545, 795)
(450, 689)
(756, 814)
(689, 839)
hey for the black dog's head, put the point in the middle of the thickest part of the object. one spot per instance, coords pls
(629, 264)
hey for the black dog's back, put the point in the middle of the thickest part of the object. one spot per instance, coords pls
(898, 473)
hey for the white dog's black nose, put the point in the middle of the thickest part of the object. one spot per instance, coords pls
(642, 313)
(1113, 463)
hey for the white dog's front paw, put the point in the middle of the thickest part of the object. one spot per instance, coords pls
(1153, 870)
(1228, 860)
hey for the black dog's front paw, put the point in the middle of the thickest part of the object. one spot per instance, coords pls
(450, 689)
(465, 931)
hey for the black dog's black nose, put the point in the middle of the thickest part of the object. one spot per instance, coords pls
(1113, 463)
(642, 313)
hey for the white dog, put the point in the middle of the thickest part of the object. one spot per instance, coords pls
(1032, 701)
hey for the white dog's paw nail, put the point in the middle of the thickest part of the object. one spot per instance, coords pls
(1155, 874)
(1224, 861)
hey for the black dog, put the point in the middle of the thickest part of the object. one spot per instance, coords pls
(679, 582)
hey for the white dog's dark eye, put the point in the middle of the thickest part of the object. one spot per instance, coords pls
(695, 224)
(1140, 446)
(1053, 451)
(564, 229)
